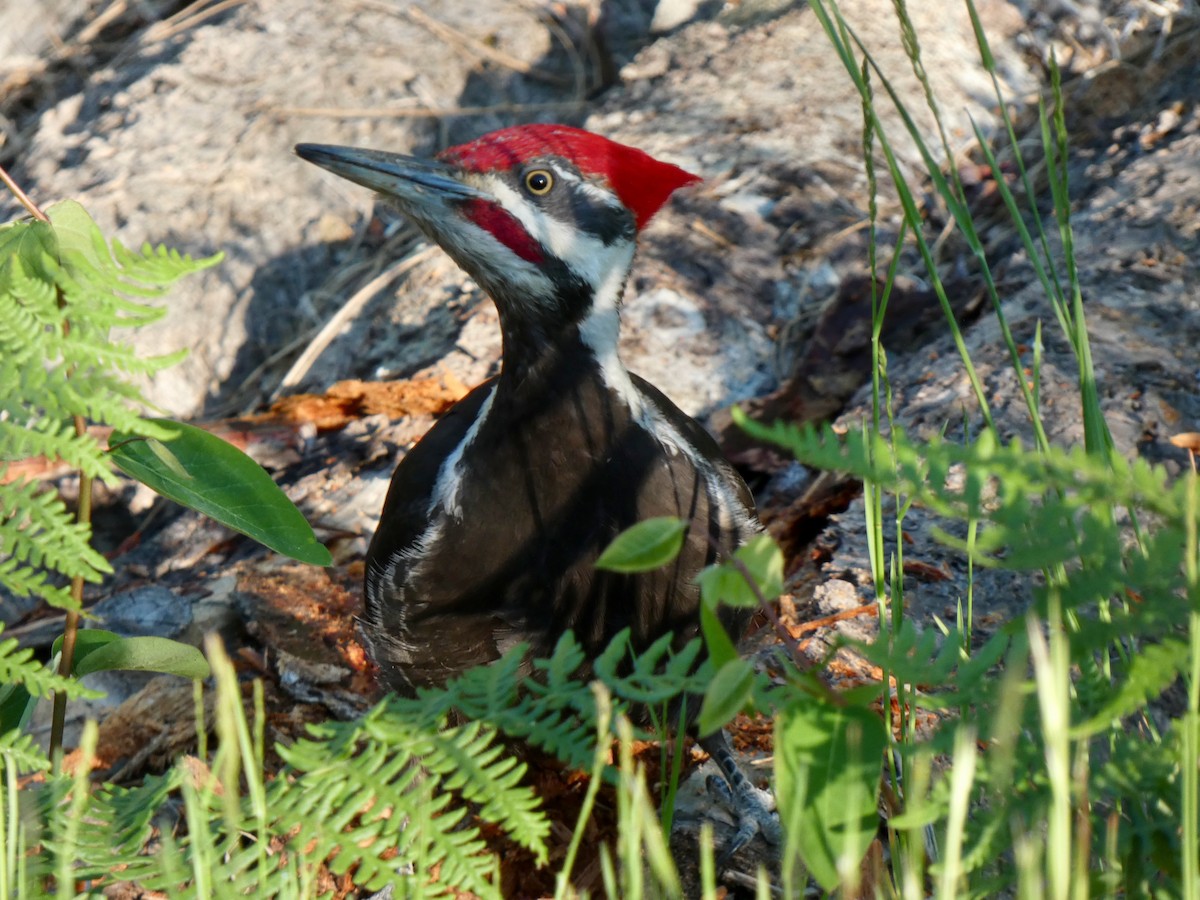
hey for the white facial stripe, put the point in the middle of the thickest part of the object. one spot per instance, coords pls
(603, 267)
(593, 190)
(589, 257)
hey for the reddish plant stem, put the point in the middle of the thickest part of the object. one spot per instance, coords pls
(66, 662)
(21, 196)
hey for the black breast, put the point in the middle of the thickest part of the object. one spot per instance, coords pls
(498, 546)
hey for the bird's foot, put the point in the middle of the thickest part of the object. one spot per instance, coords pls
(754, 811)
(752, 808)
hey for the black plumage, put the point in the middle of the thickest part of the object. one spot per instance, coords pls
(559, 467)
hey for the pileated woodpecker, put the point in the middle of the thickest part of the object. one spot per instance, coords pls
(495, 519)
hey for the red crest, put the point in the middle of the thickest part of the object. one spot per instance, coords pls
(642, 182)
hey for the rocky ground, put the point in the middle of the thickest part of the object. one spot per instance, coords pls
(174, 123)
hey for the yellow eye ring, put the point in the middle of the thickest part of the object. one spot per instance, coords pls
(539, 182)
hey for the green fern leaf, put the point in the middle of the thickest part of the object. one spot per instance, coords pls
(36, 530)
(17, 666)
(1149, 673)
(54, 440)
(21, 750)
(61, 290)
(471, 763)
(378, 815)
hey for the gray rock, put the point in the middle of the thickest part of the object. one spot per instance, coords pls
(152, 610)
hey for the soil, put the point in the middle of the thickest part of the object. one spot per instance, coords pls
(175, 123)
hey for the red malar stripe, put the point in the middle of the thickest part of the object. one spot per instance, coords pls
(501, 224)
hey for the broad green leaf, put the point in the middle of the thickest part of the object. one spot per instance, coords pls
(97, 650)
(647, 545)
(77, 233)
(145, 654)
(764, 560)
(760, 559)
(727, 693)
(17, 703)
(723, 583)
(29, 242)
(16, 707)
(827, 767)
(720, 648)
(86, 640)
(213, 477)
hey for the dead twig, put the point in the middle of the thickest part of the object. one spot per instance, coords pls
(453, 36)
(92, 30)
(349, 310)
(188, 17)
(826, 621)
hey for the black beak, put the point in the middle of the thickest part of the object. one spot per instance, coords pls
(421, 183)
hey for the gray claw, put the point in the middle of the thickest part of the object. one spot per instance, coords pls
(754, 809)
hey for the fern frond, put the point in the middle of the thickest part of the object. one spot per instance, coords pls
(549, 710)
(27, 280)
(122, 822)
(396, 797)
(37, 531)
(81, 394)
(21, 749)
(368, 791)
(61, 290)
(18, 667)
(115, 357)
(469, 761)
(896, 463)
(658, 675)
(53, 440)
(23, 581)
(553, 708)
(109, 275)
(159, 265)
(83, 387)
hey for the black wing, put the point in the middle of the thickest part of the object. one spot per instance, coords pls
(406, 511)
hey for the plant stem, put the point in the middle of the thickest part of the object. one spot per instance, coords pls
(66, 660)
(21, 196)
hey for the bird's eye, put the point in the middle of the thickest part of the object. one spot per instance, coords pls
(539, 182)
